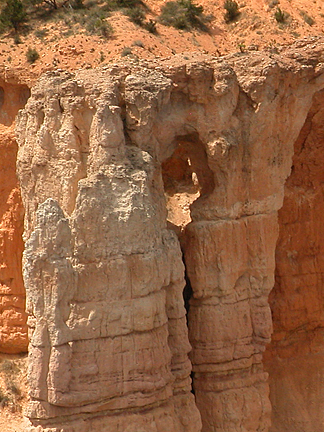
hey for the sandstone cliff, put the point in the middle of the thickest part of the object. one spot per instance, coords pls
(104, 158)
(13, 329)
(295, 357)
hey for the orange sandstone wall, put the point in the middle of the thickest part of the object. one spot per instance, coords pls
(13, 329)
(295, 358)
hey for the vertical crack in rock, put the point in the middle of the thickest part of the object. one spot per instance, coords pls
(187, 296)
(186, 178)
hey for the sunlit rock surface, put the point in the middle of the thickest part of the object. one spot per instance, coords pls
(113, 164)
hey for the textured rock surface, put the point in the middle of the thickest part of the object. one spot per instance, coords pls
(295, 357)
(104, 277)
(13, 328)
(103, 273)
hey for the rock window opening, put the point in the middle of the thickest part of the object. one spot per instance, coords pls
(186, 177)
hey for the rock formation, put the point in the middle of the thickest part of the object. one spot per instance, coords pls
(103, 155)
(104, 276)
(13, 329)
(295, 357)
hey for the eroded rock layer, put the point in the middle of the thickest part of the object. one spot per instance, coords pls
(109, 348)
(295, 357)
(13, 328)
(104, 276)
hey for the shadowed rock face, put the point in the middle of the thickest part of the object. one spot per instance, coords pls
(13, 328)
(100, 154)
(295, 358)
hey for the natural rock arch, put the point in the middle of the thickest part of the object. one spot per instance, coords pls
(186, 178)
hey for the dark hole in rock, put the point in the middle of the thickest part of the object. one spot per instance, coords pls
(186, 177)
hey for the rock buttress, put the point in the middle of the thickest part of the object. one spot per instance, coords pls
(104, 277)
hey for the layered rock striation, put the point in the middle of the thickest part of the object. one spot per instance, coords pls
(103, 155)
(13, 328)
(108, 342)
(295, 357)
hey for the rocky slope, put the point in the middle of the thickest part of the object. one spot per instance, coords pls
(103, 155)
(63, 43)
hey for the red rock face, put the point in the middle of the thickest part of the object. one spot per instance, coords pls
(13, 335)
(295, 356)
(13, 329)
